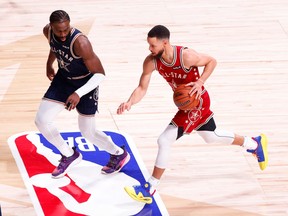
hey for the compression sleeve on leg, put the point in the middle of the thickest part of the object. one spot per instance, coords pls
(217, 136)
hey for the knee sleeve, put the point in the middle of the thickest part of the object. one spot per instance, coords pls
(47, 112)
(44, 121)
(217, 136)
(45, 116)
(165, 140)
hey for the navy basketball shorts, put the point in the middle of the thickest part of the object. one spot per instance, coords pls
(61, 88)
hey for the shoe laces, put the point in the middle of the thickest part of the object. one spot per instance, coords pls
(143, 188)
(113, 161)
(255, 152)
(62, 160)
(255, 155)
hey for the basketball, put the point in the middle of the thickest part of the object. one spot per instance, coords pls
(183, 100)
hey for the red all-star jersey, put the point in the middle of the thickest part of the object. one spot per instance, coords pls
(176, 73)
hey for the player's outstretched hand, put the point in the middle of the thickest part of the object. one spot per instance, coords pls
(123, 106)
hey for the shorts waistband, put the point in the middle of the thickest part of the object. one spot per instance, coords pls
(78, 77)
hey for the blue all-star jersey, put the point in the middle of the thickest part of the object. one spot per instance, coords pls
(69, 64)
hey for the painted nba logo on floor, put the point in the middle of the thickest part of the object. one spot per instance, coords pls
(84, 190)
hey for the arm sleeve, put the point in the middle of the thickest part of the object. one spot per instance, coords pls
(91, 84)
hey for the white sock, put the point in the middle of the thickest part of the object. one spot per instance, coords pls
(249, 143)
(119, 151)
(154, 183)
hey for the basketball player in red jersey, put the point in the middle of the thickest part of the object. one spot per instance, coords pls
(179, 65)
(74, 86)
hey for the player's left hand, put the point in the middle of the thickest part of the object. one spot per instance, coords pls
(124, 106)
(72, 101)
(196, 87)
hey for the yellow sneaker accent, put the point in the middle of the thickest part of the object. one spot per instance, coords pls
(138, 197)
(264, 143)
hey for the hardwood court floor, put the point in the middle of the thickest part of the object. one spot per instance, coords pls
(248, 90)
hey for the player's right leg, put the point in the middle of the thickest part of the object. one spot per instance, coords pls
(255, 145)
(47, 112)
(119, 156)
(145, 191)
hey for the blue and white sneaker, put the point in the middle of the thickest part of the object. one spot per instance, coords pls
(140, 193)
(261, 151)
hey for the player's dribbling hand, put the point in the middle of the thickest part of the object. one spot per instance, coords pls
(122, 107)
(196, 87)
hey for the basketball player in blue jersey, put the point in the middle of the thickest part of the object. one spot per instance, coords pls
(179, 65)
(74, 86)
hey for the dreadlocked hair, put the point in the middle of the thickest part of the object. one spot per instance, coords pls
(59, 16)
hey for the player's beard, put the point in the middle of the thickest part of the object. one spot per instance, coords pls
(159, 54)
(62, 41)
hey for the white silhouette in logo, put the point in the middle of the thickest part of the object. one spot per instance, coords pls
(107, 193)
